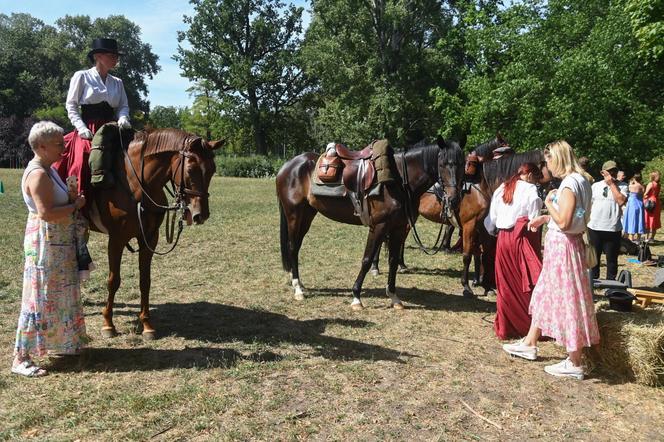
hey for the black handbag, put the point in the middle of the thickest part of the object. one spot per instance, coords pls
(644, 252)
(649, 205)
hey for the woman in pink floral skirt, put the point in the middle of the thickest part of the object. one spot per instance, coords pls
(562, 305)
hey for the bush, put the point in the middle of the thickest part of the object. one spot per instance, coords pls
(254, 166)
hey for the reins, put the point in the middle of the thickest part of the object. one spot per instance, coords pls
(437, 247)
(179, 203)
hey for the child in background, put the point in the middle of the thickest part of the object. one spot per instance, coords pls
(85, 264)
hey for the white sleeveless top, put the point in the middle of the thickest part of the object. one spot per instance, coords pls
(582, 192)
(60, 195)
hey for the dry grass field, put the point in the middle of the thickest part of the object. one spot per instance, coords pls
(238, 359)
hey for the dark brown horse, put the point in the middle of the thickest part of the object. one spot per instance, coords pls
(136, 206)
(418, 169)
(474, 208)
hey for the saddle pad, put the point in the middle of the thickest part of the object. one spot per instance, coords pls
(338, 190)
(323, 189)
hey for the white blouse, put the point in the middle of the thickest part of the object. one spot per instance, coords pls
(87, 87)
(525, 202)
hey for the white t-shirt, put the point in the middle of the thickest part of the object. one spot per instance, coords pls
(525, 202)
(87, 87)
(580, 187)
(606, 212)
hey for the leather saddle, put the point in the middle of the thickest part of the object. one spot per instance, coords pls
(358, 169)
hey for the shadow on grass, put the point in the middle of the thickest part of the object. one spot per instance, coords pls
(418, 299)
(452, 273)
(219, 323)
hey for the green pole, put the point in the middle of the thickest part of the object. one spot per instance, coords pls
(2, 187)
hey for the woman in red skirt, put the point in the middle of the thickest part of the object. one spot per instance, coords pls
(95, 98)
(518, 257)
(652, 216)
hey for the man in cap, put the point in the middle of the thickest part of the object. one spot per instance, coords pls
(605, 226)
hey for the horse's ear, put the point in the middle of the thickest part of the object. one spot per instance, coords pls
(441, 142)
(214, 145)
(500, 139)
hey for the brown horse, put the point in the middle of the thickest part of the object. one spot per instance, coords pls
(418, 168)
(136, 206)
(475, 206)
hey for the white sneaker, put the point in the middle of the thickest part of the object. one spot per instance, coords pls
(520, 349)
(565, 369)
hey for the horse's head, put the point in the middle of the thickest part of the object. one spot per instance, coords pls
(192, 174)
(485, 151)
(450, 170)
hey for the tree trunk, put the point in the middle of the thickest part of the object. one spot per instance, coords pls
(257, 125)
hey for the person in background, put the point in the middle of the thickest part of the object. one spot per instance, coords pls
(51, 317)
(605, 226)
(653, 216)
(584, 162)
(518, 259)
(562, 304)
(634, 218)
(620, 178)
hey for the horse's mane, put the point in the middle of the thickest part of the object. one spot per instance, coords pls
(486, 149)
(431, 151)
(163, 140)
(498, 171)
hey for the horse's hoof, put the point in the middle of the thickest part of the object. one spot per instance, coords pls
(468, 294)
(299, 296)
(357, 306)
(398, 306)
(149, 335)
(108, 332)
(375, 272)
(476, 283)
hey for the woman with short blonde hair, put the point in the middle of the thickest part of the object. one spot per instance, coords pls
(51, 317)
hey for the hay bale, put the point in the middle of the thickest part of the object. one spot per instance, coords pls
(631, 346)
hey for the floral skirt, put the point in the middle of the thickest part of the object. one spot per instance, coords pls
(562, 303)
(51, 317)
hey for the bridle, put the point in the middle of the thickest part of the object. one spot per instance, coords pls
(408, 207)
(180, 198)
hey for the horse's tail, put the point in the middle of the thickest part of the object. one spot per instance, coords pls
(283, 237)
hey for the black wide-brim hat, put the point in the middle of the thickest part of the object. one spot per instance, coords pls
(104, 45)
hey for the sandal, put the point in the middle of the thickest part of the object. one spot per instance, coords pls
(28, 369)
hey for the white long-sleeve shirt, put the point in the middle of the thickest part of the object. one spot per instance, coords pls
(87, 87)
(525, 202)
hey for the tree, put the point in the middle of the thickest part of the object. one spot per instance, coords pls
(586, 83)
(166, 116)
(138, 63)
(37, 62)
(375, 70)
(26, 66)
(247, 50)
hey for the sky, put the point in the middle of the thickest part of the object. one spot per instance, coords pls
(159, 21)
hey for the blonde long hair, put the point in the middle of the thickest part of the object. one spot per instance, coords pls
(561, 160)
